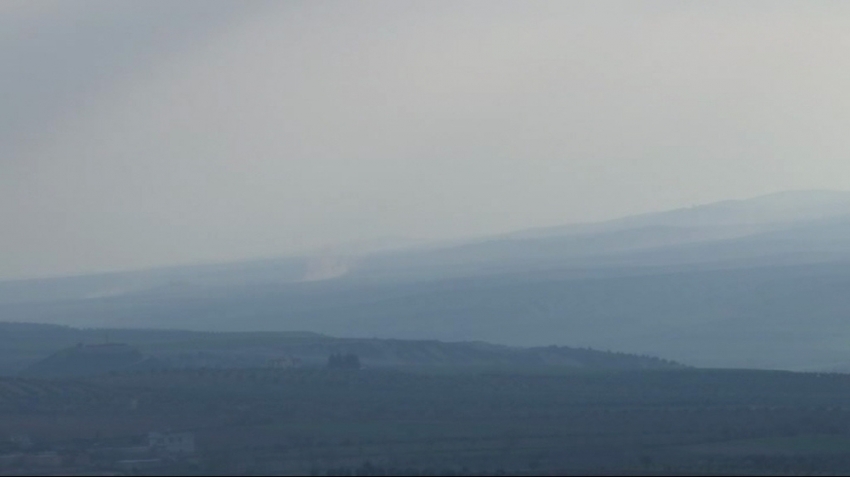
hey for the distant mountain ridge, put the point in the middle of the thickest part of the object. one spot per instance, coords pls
(623, 241)
(776, 208)
(577, 245)
(756, 283)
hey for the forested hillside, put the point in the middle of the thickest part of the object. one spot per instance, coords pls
(56, 351)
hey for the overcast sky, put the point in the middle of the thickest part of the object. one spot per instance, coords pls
(138, 134)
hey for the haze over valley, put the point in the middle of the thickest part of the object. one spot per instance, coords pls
(490, 237)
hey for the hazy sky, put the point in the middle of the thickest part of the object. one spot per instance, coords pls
(136, 134)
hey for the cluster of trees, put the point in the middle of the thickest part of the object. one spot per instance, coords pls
(344, 361)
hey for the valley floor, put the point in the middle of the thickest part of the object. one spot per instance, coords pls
(321, 421)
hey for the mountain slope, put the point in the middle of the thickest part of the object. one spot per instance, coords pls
(740, 230)
(755, 283)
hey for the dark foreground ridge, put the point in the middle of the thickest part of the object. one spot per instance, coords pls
(91, 359)
(31, 351)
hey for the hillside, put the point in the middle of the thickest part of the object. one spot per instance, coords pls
(149, 349)
(789, 227)
(761, 221)
(89, 360)
(750, 283)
